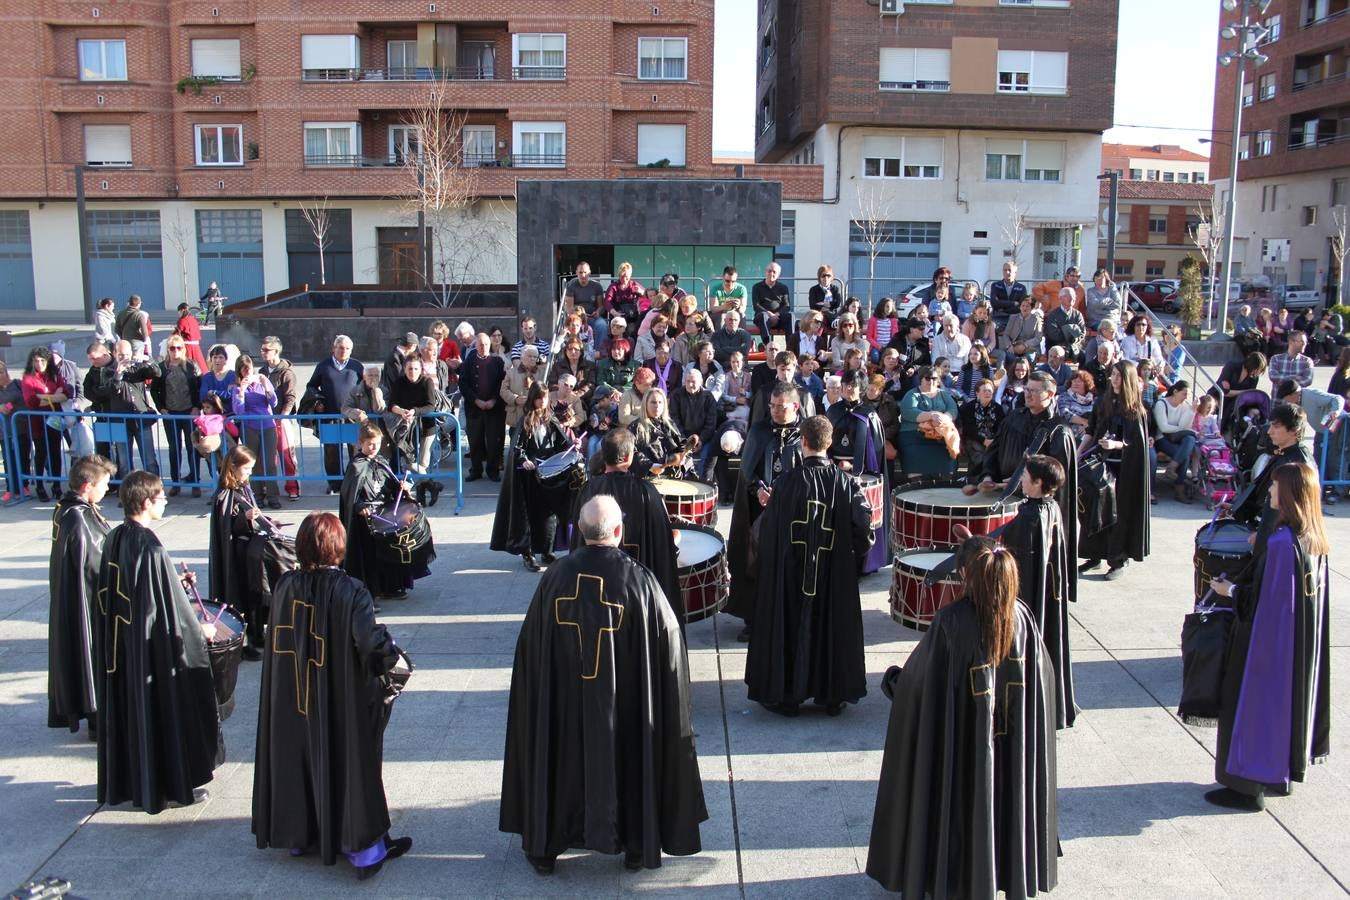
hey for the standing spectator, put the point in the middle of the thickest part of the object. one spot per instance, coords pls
(42, 392)
(694, 411)
(1120, 428)
(133, 325)
(516, 386)
(176, 389)
(279, 372)
(731, 338)
(529, 337)
(393, 365)
(772, 301)
(480, 382)
(826, 296)
(434, 368)
(1065, 326)
(11, 400)
(105, 322)
(218, 380)
(256, 399)
(497, 344)
(131, 396)
(625, 297)
(366, 401)
(68, 376)
(1047, 292)
(328, 387)
(98, 389)
(191, 332)
(581, 294)
(1102, 300)
(1292, 363)
(883, 326)
(1007, 295)
(448, 352)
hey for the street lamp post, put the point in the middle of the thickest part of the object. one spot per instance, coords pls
(1112, 202)
(1249, 35)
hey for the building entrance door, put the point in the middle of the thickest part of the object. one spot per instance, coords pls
(399, 258)
(977, 269)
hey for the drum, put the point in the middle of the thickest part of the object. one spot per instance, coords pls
(396, 679)
(702, 570)
(923, 514)
(914, 603)
(402, 535)
(874, 492)
(565, 469)
(1221, 548)
(688, 501)
(225, 650)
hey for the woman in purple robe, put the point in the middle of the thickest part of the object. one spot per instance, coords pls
(1275, 703)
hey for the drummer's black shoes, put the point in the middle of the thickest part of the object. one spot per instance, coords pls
(1231, 799)
(251, 653)
(494, 476)
(396, 847)
(549, 558)
(544, 865)
(531, 564)
(364, 872)
(435, 488)
(1088, 565)
(1116, 569)
(789, 710)
(632, 861)
(420, 493)
(473, 476)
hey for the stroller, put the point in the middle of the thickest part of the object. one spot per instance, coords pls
(1218, 473)
(1248, 429)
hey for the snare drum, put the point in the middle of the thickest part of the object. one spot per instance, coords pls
(874, 493)
(702, 570)
(225, 651)
(924, 514)
(396, 679)
(1221, 549)
(914, 603)
(565, 469)
(688, 501)
(402, 535)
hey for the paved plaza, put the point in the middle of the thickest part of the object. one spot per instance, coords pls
(789, 801)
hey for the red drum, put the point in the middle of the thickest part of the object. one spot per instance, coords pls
(923, 514)
(874, 492)
(688, 501)
(702, 570)
(914, 603)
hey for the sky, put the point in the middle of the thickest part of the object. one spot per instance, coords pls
(1164, 73)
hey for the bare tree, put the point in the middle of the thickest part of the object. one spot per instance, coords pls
(1208, 239)
(1014, 230)
(320, 221)
(442, 186)
(1338, 248)
(873, 221)
(181, 236)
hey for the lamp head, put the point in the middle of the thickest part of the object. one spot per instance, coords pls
(1226, 59)
(1229, 32)
(1230, 5)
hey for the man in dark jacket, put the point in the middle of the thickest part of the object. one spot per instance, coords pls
(480, 384)
(128, 391)
(327, 390)
(695, 411)
(730, 338)
(176, 387)
(279, 372)
(1006, 295)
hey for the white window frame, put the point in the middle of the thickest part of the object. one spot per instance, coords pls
(397, 138)
(681, 41)
(1027, 75)
(1265, 142)
(482, 158)
(225, 72)
(197, 131)
(354, 142)
(107, 129)
(519, 131)
(654, 129)
(1169, 176)
(394, 72)
(1033, 4)
(1266, 86)
(1136, 174)
(1027, 173)
(902, 168)
(537, 71)
(921, 69)
(102, 44)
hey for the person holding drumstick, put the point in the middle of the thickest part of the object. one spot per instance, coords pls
(367, 486)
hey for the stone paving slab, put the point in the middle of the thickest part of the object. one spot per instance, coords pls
(790, 801)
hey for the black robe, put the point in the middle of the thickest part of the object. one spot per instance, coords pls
(1129, 537)
(317, 780)
(369, 484)
(78, 532)
(851, 437)
(966, 800)
(1036, 538)
(647, 535)
(1291, 584)
(158, 727)
(599, 743)
(246, 558)
(654, 444)
(806, 636)
(1252, 506)
(523, 497)
(770, 452)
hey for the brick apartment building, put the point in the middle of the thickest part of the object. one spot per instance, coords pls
(1162, 195)
(201, 124)
(1294, 146)
(1167, 163)
(949, 122)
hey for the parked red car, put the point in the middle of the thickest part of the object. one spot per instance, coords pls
(1157, 295)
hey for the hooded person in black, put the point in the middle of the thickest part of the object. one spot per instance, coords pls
(858, 446)
(966, 803)
(1285, 429)
(806, 637)
(599, 743)
(317, 782)
(367, 485)
(78, 532)
(773, 447)
(158, 726)
(1120, 427)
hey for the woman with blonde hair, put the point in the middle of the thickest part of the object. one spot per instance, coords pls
(1275, 703)
(658, 445)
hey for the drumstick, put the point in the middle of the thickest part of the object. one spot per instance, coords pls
(198, 597)
(399, 498)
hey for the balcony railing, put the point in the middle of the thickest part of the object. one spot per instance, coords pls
(1329, 17)
(1297, 141)
(428, 73)
(470, 161)
(936, 87)
(1306, 85)
(539, 73)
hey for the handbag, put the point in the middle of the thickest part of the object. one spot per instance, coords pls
(1205, 635)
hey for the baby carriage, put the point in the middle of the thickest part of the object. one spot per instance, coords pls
(1246, 434)
(1218, 473)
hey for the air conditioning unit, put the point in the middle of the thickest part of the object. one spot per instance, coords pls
(892, 7)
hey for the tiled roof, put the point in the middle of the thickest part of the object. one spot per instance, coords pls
(1157, 190)
(1151, 151)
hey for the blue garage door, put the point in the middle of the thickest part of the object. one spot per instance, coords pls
(126, 256)
(16, 261)
(230, 252)
(907, 252)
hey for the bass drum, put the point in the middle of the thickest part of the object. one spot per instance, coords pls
(688, 500)
(225, 650)
(914, 603)
(924, 514)
(403, 535)
(705, 583)
(1221, 548)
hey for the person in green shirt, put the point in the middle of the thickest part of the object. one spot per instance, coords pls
(730, 294)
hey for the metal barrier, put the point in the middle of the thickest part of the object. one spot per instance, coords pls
(690, 284)
(1333, 465)
(132, 441)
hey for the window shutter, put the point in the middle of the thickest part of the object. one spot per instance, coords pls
(1045, 155)
(897, 64)
(1014, 60)
(658, 142)
(329, 51)
(879, 147)
(932, 65)
(1050, 71)
(218, 58)
(923, 151)
(1005, 148)
(107, 144)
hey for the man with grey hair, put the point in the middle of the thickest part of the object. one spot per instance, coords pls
(772, 302)
(326, 392)
(1064, 325)
(695, 411)
(598, 635)
(279, 372)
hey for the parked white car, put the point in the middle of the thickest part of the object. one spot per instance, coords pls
(1298, 296)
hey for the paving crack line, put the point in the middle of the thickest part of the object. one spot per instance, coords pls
(726, 745)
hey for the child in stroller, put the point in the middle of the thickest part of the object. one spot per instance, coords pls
(1216, 469)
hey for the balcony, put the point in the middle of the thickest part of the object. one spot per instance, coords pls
(418, 73)
(397, 162)
(936, 87)
(1323, 127)
(1320, 12)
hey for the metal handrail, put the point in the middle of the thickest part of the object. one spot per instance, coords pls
(403, 74)
(1188, 362)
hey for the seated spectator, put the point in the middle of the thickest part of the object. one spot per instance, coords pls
(808, 378)
(810, 337)
(1173, 417)
(1009, 393)
(772, 301)
(577, 328)
(580, 294)
(1058, 367)
(616, 370)
(1174, 353)
(572, 361)
(1099, 366)
(668, 371)
(1065, 326)
(881, 327)
(965, 304)
(736, 390)
(1076, 403)
(979, 327)
(625, 297)
(728, 294)
(730, 338)
(854, 361)
(913, 346)
(688, 307)
(529, 336)
(1139, 343)
(707, 365)
(892, 372)
(847, 338)
(565, 397)
(1107, 333)
(692, 335)
(852, 307)
(667, 309)
(976, 368)
(694, 411)
(950, 342)
(1047, 293)
(1023, 331)
(1103, 300)
(978, 421)
(826, 296)
(646, 342)
(630, 403)
(1327, 337)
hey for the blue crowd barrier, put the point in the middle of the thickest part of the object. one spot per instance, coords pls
(147, 441)
(1332, 462)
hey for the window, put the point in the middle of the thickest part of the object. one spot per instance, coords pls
(1264, 142)
(1033, 72)
(1309, 215)
(1136, 174)
(663, 59)
(103, 60)
(1152, 175)
(1265, 86)
(906, 69)
(1274, 28)
(331, 144)
(478, 60)
(1062, 4)
(1248, 93)
(107, 145)
(216, 59)
(1197, 178)
(1192, 226)
(539, 57)
(330, 57)
(902, 157)
(479, 143)
(405, 143)
(1124, 270)
(766, 110)
(1154, 268)
(1169, 176)
(540, 144)
(658, 142)
(1270, 193)
(401, 58)
(220, 145)
(890, 256)
(1340, 191)
(1024, 161)
(1157, 225)
(230, 226)
(1245, 147)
